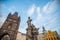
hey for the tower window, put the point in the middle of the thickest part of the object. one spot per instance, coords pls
(51, 38)
(14, 21)
(10, 19)
(54, 38)
(9, 27)
(57, 38)
(6, 37)
(46, 38)
(6, 21)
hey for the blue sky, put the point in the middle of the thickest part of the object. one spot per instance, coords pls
(42, 12)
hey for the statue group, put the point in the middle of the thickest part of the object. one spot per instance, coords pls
(32, 31)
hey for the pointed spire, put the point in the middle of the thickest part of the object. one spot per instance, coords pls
(16, 14)
(9, 14)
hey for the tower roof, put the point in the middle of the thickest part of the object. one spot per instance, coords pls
(16, 14)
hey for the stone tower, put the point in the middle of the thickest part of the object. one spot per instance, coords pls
(32, 32)
(10, 27)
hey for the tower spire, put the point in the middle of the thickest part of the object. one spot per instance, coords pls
(16, 14)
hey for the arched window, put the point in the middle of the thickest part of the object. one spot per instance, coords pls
(57, 38)
(51, 38)
(54, 38)
(5, 37)
(46, 38)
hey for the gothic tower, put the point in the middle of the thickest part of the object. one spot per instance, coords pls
(10, 27)
(32, 32)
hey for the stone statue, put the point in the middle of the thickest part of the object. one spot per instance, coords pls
(29, 21)
(32, 31)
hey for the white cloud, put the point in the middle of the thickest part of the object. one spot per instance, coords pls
(52, 21)
(50, 7)
(38, 10)
(39, 16)
(46, 7)
(30, 11)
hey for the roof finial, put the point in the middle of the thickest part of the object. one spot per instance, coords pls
(16, 14)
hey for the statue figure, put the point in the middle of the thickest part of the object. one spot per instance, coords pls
(32, 31)
(29, 21)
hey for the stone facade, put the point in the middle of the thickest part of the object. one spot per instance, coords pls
(18, 36)
(51, 35)
(10, 27)
(41, 36)
(21, 36)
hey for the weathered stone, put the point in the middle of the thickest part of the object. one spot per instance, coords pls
(10, 26)
(32, 32)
